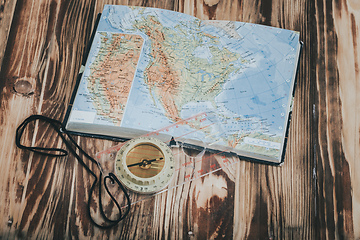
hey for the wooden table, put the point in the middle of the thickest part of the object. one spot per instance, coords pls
(314, 195)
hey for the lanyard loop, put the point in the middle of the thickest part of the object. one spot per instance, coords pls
(73, 146)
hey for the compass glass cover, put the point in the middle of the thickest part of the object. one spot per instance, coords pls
(145, 160)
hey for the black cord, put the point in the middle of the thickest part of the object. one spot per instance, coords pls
(59, 152)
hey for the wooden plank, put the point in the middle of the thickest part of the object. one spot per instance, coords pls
(347, 22)
(338, 123)
(6, 15)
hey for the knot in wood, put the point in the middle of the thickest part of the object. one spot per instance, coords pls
(10, 222)
(24, 86)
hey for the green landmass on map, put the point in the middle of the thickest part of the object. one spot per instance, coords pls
(175, 74)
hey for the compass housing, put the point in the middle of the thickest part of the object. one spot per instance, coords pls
(145, 165)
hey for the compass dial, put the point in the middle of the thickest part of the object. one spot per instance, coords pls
(145, 165)
(145, 160)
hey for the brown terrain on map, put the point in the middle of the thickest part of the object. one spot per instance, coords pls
(115, 72)
(160, 75)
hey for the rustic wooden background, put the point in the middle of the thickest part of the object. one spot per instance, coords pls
(314, 195)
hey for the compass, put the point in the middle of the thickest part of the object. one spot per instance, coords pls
(145, 165)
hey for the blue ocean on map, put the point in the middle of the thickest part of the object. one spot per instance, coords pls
(253, 80)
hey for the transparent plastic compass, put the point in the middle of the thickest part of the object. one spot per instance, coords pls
(145, 165)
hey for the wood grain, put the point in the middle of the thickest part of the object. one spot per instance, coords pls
(314, 195)
(6, 15)
(346, 20)
(338, 125)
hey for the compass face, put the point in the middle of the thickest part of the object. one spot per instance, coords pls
(149, 156)
(145, 165)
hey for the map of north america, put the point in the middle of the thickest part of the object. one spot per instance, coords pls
(149, 68)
